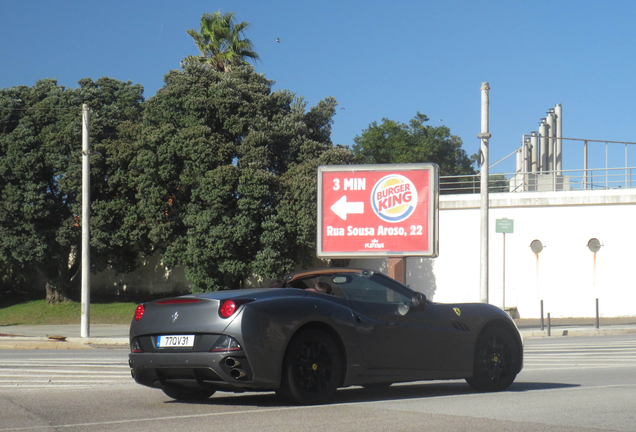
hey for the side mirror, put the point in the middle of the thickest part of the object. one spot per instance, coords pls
(419, 300)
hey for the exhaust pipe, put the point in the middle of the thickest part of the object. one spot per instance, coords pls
(231, 362)
(237, 373)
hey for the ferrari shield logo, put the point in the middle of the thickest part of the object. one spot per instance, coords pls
(457, 311)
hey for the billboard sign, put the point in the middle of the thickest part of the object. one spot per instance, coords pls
(377, 210)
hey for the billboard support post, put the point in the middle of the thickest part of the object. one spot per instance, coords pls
(397, 269)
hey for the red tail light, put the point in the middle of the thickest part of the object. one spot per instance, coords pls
(139, 312)
(135, 346)
(226, 343)
(227, 309)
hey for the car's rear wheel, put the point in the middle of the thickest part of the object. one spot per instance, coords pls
(496, 360)
(188, 395)
(312, 368)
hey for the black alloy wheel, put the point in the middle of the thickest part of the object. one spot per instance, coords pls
(496, 360)
(312, 368)
(188, 395)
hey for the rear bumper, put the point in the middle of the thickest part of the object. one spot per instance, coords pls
(226, 371)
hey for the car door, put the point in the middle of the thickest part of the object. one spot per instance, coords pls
(392, 332)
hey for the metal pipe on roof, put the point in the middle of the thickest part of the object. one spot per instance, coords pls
(551, 141)
(527, 157)
(558, 110)
(535, 152)
(543, 138)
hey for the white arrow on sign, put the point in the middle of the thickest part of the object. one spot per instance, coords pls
(342, 208)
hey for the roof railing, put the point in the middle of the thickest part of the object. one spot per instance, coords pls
(545, 181)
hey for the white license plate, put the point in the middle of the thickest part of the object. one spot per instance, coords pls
(176, 341)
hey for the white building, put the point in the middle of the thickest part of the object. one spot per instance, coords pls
(566, 274)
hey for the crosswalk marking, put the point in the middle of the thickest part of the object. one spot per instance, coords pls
(60, 372)
(63, 373)
(595, 354)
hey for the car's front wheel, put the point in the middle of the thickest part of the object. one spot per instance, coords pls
(312, 368)
(188, 395)
(496, 360)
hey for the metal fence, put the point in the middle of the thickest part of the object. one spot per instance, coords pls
(546, 181)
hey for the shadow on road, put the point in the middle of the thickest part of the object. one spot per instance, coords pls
(532, 386)
(360, 394)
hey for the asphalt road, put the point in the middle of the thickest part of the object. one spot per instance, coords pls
(568, 384)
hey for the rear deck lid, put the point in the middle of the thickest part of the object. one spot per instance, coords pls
(183, 315)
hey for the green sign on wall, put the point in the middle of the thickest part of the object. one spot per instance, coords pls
(505, 226)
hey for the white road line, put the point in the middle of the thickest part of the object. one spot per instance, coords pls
(176, 417)
(61, 381)
(600, 358)
(264, 410)
(598, 354)
(576, 365)
(54, 376)
(84, 385)
(63, 373)
(76, 361)
(549, 347)
(60, 371)
(85, 365)
(590, 350)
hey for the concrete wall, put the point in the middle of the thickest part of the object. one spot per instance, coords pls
(151, 277)
(154, 278)
(566, 275)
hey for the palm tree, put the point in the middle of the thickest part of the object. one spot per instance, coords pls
(220, 44)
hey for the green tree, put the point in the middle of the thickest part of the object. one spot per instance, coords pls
(220, 42)
(40, 181)
(394, 142)
(228, 174)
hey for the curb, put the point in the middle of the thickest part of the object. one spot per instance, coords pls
(17, 342)
(574, 332)
(97, 341)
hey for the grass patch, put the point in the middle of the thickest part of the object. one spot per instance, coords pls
(38, 312)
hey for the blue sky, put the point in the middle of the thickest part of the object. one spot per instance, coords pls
(377, 58)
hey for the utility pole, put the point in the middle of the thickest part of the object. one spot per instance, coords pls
(484, 136)
(85, 222)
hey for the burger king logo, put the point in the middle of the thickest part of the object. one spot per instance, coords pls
(394, 198)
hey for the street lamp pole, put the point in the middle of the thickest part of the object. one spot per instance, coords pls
(484, 136)
(85, 223)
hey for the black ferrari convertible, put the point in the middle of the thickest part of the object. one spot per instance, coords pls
(323, 329)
